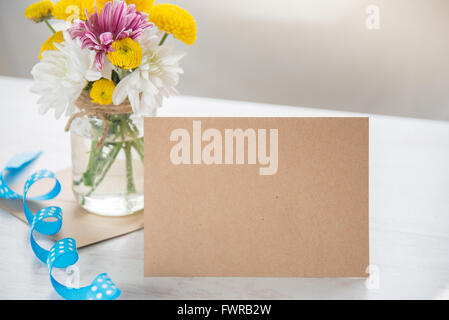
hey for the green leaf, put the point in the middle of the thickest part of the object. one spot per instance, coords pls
(115, 77)
(89, 86)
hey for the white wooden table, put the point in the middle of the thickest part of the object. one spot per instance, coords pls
(409, 212)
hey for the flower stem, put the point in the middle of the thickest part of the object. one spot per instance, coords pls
(164, 37)
(101, 159)
(89, 174)
(138, 146)
(49, 26)
(124, 126)
(137, 142)
(123, 74)
(130, 187)
(112, 155)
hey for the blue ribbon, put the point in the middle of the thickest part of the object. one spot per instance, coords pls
(48, 221)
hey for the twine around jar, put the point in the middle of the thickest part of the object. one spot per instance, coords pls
(87, 108)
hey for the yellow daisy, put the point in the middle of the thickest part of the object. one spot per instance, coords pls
(175, 20)
(50, 43)
(39, 11)
(127, 54)
(141, 5)
(70, 10)
(101, 91)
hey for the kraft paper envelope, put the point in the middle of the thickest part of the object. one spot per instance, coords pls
(298, 205)
(86, 228)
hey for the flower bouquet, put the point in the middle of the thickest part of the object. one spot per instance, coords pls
(106, 66)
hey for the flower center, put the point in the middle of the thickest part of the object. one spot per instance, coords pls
(127, 54)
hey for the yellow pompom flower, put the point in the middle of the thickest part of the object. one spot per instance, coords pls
(70, 10)
(175, 20)
(101, 91)
(127, 54)
(39, 11)
(50, 43)
(141, 5)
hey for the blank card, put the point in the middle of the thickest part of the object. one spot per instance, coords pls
(257, 197)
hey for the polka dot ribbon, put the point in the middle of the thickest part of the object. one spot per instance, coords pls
(48, 221)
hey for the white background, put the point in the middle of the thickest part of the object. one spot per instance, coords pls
(315, 53)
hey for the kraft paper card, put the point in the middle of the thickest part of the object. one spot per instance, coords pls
(85, 227)
(257, 197)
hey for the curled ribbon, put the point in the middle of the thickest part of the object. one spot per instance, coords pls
(48, 221)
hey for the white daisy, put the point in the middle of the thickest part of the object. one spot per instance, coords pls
(61, 75)
(155, 78)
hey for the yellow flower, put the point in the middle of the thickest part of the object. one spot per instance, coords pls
(141, 5)
(49, 44)
(39, 11)
(173, 19)
(127, 54)
(70, 10)
(101, 91)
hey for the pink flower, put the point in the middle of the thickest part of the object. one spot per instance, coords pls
(116, 21)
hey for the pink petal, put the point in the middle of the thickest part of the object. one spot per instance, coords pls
(99, 60)
(106, 38)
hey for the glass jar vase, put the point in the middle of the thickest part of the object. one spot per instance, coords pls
(107, 167)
